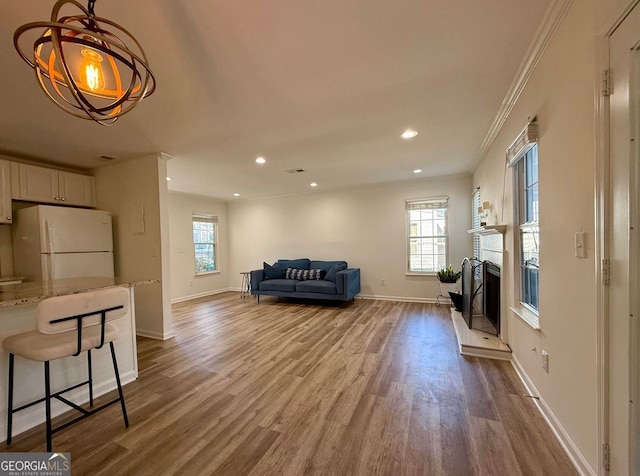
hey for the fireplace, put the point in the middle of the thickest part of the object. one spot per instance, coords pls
(481, 295)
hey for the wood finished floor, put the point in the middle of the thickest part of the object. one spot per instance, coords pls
(281, 388)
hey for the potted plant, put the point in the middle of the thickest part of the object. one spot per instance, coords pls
(448, 278)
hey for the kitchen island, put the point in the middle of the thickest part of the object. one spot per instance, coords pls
(18, 303)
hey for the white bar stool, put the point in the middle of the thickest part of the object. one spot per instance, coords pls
(67, 326)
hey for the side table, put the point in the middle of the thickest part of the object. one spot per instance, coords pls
(245, 289)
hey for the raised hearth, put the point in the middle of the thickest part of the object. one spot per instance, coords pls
(476, 342)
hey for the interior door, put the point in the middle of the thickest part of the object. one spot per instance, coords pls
(624, 338)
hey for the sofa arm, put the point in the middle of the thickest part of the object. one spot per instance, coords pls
(348, 283)
(257, 276)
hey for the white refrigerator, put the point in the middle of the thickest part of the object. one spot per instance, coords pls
(51, 242)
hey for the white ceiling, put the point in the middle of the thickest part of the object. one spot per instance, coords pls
(326, 86)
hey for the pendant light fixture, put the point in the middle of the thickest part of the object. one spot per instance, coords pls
(89, 66)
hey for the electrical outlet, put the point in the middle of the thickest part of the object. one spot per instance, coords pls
(191, 282)
(383, 282)
(545, 361)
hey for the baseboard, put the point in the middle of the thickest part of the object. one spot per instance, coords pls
(376, 297)
(204, 294)
(79, 396)
(153, 335)
(572, 451)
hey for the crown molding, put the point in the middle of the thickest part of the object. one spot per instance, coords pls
(548, 26)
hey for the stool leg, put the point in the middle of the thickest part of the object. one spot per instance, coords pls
(90, 378)
(115, 369)
(47, 403)
(10, 399)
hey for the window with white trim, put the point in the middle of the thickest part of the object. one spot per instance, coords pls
(427, 234)
(205, 243)
(527, 218)
(475, 221)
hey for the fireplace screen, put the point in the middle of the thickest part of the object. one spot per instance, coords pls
(491, 273)
(481, 295)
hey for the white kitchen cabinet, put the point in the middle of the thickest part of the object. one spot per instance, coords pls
(45, 185)
(76, 189)
(5, 191)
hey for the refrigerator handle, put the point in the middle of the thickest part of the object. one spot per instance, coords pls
(49, 268)
(48, 236)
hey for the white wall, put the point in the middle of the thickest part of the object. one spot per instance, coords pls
(365, 226)
(126, 189)
(561, 93)
(184, 284)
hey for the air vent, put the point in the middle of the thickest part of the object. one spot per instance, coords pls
(295, 171)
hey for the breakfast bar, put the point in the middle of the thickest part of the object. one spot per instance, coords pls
(18, 303)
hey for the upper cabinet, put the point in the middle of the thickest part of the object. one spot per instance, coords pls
(44, 185)
(77, 189)
(5, 191)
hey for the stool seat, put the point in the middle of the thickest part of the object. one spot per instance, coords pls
(39, 347)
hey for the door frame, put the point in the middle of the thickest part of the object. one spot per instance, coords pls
(602, 242)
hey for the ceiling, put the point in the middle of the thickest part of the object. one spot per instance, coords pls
(324, 86)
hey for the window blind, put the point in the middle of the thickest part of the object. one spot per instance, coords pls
(204, 218)
(427, 203)
(475, 221)
(523, 143)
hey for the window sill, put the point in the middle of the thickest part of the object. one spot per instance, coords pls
(413, 273)
(206, 273)
(531, 319)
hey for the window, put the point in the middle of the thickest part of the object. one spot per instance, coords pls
(427, 235)
(528, 216)
(475, 221)
(205, 243)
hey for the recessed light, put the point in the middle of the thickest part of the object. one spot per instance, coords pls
(417, 171)
(261, 160)
(169, 179)
(313, 184)
(409, 134)
(236, 194)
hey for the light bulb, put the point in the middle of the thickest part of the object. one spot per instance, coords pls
(91, 75)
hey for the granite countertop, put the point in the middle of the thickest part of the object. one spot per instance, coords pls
(35, 291)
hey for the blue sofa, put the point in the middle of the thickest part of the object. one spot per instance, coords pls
(304, 278)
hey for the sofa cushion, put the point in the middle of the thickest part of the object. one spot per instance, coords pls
(312, 286)
(284, 285)
(326, 265)
(302, 263)
(273, 272)
(331, 274)
(304, 274)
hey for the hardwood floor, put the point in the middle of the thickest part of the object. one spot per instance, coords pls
(281, 388)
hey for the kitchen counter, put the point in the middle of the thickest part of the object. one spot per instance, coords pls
(18, 303)
(35, 291)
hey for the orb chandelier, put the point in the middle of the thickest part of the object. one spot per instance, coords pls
(89, 66)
